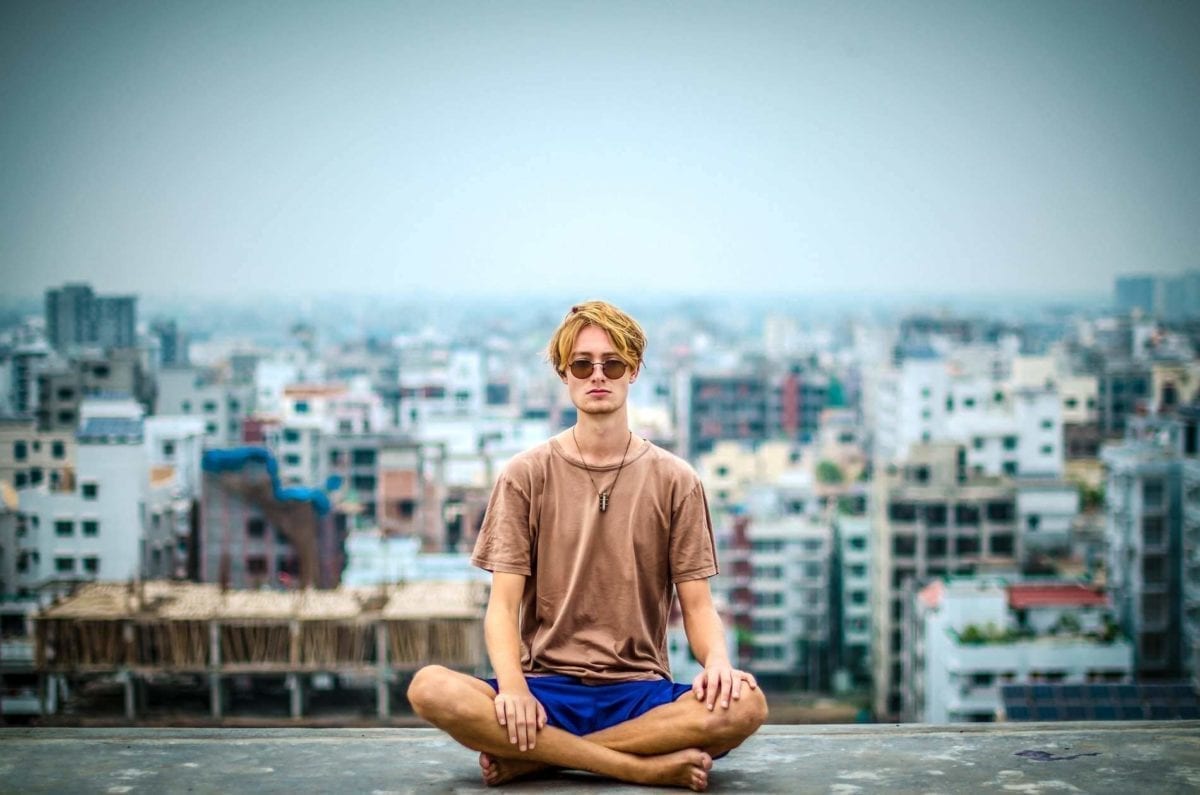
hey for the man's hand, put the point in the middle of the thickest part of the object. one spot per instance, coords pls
(522, 715)
(719, 681)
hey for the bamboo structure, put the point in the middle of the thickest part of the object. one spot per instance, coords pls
(150, 628)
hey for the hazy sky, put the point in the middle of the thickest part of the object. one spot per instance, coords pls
(223, 148)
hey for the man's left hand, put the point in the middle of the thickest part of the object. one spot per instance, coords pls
(719, 681)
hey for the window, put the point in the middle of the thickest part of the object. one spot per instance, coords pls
(255, 527)
(902, 512)
(210, 428)
(1047, 424)
(858, 597)
(998, 396)
(301, 406)
(20, 478)
(904, 546)
(256, 566)
(1009, 468)
(1002, 544)
(966, 515)
(58, 450)
(1071, 403)
(1152, 531)
(89, 491)
(91, 565)
(364, 458)
(858, 543)
(935, 546)
(210, 407)
(968, 402)
(64, 565)
(1032, 521)
(64, 527)
(1152, 493)
(168, 449)
(91, 527)
(966, 545)
(291, 435)
(20, 450)
(1047, 449)
(1000, 511)
(858, 570)
(66, 417)
(1010, 443)
(186, 407)
(292, 459)
(935, 514)
(977, 442)
(35, 475)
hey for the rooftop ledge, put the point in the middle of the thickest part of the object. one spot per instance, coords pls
(1026, 758)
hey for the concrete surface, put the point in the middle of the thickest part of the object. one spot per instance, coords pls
(1004, 758)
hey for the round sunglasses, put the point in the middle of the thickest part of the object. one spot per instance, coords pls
(612, 368)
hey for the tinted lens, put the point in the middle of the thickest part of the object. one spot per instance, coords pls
(613, 368)
(581, 368)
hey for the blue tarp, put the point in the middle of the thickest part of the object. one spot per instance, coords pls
(237, 458)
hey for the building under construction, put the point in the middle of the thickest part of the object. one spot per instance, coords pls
(151, 631)
(254, 531)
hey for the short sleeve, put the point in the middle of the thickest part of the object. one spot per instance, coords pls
(504, 539)
(693, 551)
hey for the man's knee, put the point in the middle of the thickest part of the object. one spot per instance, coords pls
(742, 718)
(428, 689)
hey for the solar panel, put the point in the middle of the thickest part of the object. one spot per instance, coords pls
(1100, 701)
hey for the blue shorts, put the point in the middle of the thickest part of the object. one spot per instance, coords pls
(582, 709)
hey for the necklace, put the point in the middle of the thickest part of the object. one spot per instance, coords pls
(602, 494)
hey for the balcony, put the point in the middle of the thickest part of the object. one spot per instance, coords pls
(1079, 757)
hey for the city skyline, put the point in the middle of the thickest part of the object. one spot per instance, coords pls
(949, 149)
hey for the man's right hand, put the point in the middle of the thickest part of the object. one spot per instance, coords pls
(522, 715)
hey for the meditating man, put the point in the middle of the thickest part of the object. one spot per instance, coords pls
(585, 535)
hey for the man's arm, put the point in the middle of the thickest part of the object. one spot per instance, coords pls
(706, 636)
(516, 708)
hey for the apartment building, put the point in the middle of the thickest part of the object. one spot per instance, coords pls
(851, 605)
(29, 457)
(1153, 539)
(89, 527)
(971, 636)
(930, 517)
(202, 392)
(62, 388)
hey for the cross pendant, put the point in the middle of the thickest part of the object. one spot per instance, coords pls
(603, 502)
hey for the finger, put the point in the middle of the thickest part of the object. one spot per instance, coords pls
(712, 685)
(499, 705)
(522, 727)
(750, 680)
(737, 687)
(529, 718)
(698, 686)
(726, 687)
(541, 715)
(510, 714)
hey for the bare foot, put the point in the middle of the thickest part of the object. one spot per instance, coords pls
(688, 768)
(498, 771)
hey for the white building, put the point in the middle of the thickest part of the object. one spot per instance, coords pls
(853, 534)
(374, 559)
(195, 392)
(972, 636)
(92, 528)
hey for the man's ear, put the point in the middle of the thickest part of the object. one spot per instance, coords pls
(633, 375)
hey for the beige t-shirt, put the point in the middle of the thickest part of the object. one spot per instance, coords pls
(598, 587)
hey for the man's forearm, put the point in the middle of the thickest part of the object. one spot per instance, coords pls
(706, 636)
(504, 648)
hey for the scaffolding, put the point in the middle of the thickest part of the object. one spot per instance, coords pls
(138, 631)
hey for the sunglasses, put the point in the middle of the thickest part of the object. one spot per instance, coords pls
(612, 368)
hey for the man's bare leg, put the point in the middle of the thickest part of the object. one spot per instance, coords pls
(456, 705)
(683, 724)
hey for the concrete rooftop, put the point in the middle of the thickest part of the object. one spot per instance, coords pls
(1022, 758)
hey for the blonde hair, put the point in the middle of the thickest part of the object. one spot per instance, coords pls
(627, 336)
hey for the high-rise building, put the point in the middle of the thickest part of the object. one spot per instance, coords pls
(1135, 292)
(1153, 533)
(930, 518)
(76, 317)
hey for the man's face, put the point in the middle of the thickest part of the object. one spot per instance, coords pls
(597, 393)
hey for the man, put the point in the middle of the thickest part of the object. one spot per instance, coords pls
(585, 536)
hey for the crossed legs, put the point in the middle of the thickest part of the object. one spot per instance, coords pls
(670, 745)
